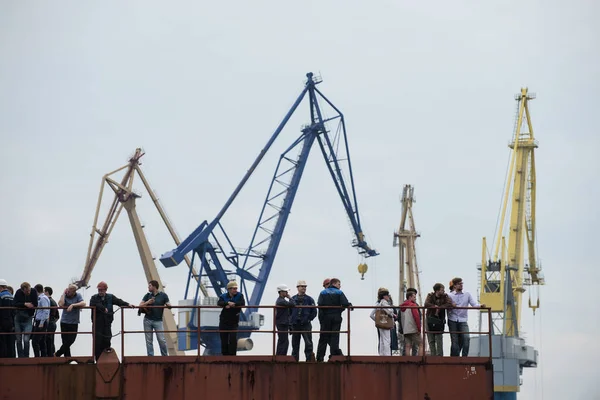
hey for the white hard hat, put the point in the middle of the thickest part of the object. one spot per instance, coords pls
(282, 288)
(301, 283)
(3, 282)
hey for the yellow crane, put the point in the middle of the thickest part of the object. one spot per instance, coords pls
(125, 198)
(509, 269)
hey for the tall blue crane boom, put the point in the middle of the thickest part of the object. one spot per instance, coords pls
(210, 239)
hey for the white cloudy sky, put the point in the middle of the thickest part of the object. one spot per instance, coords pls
(427, 89)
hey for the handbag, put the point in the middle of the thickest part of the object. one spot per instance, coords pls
(434, 323)
(383, 320)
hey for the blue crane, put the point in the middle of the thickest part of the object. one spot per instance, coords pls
(220, 260)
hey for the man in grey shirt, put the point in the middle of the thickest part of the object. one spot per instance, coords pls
(69, 321)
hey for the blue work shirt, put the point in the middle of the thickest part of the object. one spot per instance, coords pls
(73, 316)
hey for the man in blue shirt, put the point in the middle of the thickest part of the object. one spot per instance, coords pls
(7, 322)
(153, 320)
(301, 320)
(282, 319)
(331, 318)
(40, 323)
(69, 321)
(232, 302)
(457, 319)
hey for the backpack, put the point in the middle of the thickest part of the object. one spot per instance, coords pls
(54, 314)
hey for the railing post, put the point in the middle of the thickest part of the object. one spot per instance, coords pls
(274, 316)
(198, 310)
(122, 334)
(94, 333)
(490, 330)
(348, 334)
(423, 329)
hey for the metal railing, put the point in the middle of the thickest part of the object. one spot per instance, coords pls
(32, 332)
(199, 330)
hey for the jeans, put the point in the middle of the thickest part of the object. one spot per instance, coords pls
(329, 322)
(308, 343)
(68, 336)
(283, 342)
(436, 344)
(38, 341)
(460, 341)
(149, 327)
(23, 323)
(50, 349)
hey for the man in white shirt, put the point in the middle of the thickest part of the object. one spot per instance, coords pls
(457, 319)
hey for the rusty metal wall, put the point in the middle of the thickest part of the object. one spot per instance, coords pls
(179, 378)
(47, 379)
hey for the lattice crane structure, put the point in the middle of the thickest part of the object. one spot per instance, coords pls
(220, 261)
(510, 269)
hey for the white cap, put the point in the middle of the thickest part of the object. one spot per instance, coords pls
(301, 283)
(282, 288)
(3, 282)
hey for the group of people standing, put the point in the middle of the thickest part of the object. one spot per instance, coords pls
(293, 316)
(441, 308)
(29, 314)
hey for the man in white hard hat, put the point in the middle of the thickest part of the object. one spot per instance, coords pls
(7, 322)
(283, 313)
(232, 302)
(301, 322)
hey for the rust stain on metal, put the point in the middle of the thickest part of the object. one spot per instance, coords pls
(179, 378)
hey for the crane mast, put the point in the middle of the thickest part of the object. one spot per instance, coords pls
(124, 197)
(211, 246)
(405, 239)
(513, 266)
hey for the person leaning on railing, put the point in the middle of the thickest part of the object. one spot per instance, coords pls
(458, 318)
(69, 321)
(232, 302)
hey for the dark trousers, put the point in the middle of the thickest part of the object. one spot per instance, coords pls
(7, 342)
(228, 340)
(329, 322)
(103, 336)
(283, 342)
(308, 343)
(67, 339)
(50, 349)
(38, 341)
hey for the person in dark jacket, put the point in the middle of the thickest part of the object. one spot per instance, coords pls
(331, 319)
(232, 302)
(282, 319)
(104, 302)
(26, 298)
(7, 322)
(54, 317)
(301, 320)
(437, 302)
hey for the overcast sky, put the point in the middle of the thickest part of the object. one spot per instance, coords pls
(427, 90)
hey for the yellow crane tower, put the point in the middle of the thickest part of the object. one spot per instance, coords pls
(125, 198)
(508, 270)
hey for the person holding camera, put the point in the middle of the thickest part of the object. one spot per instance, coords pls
(153, 317)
